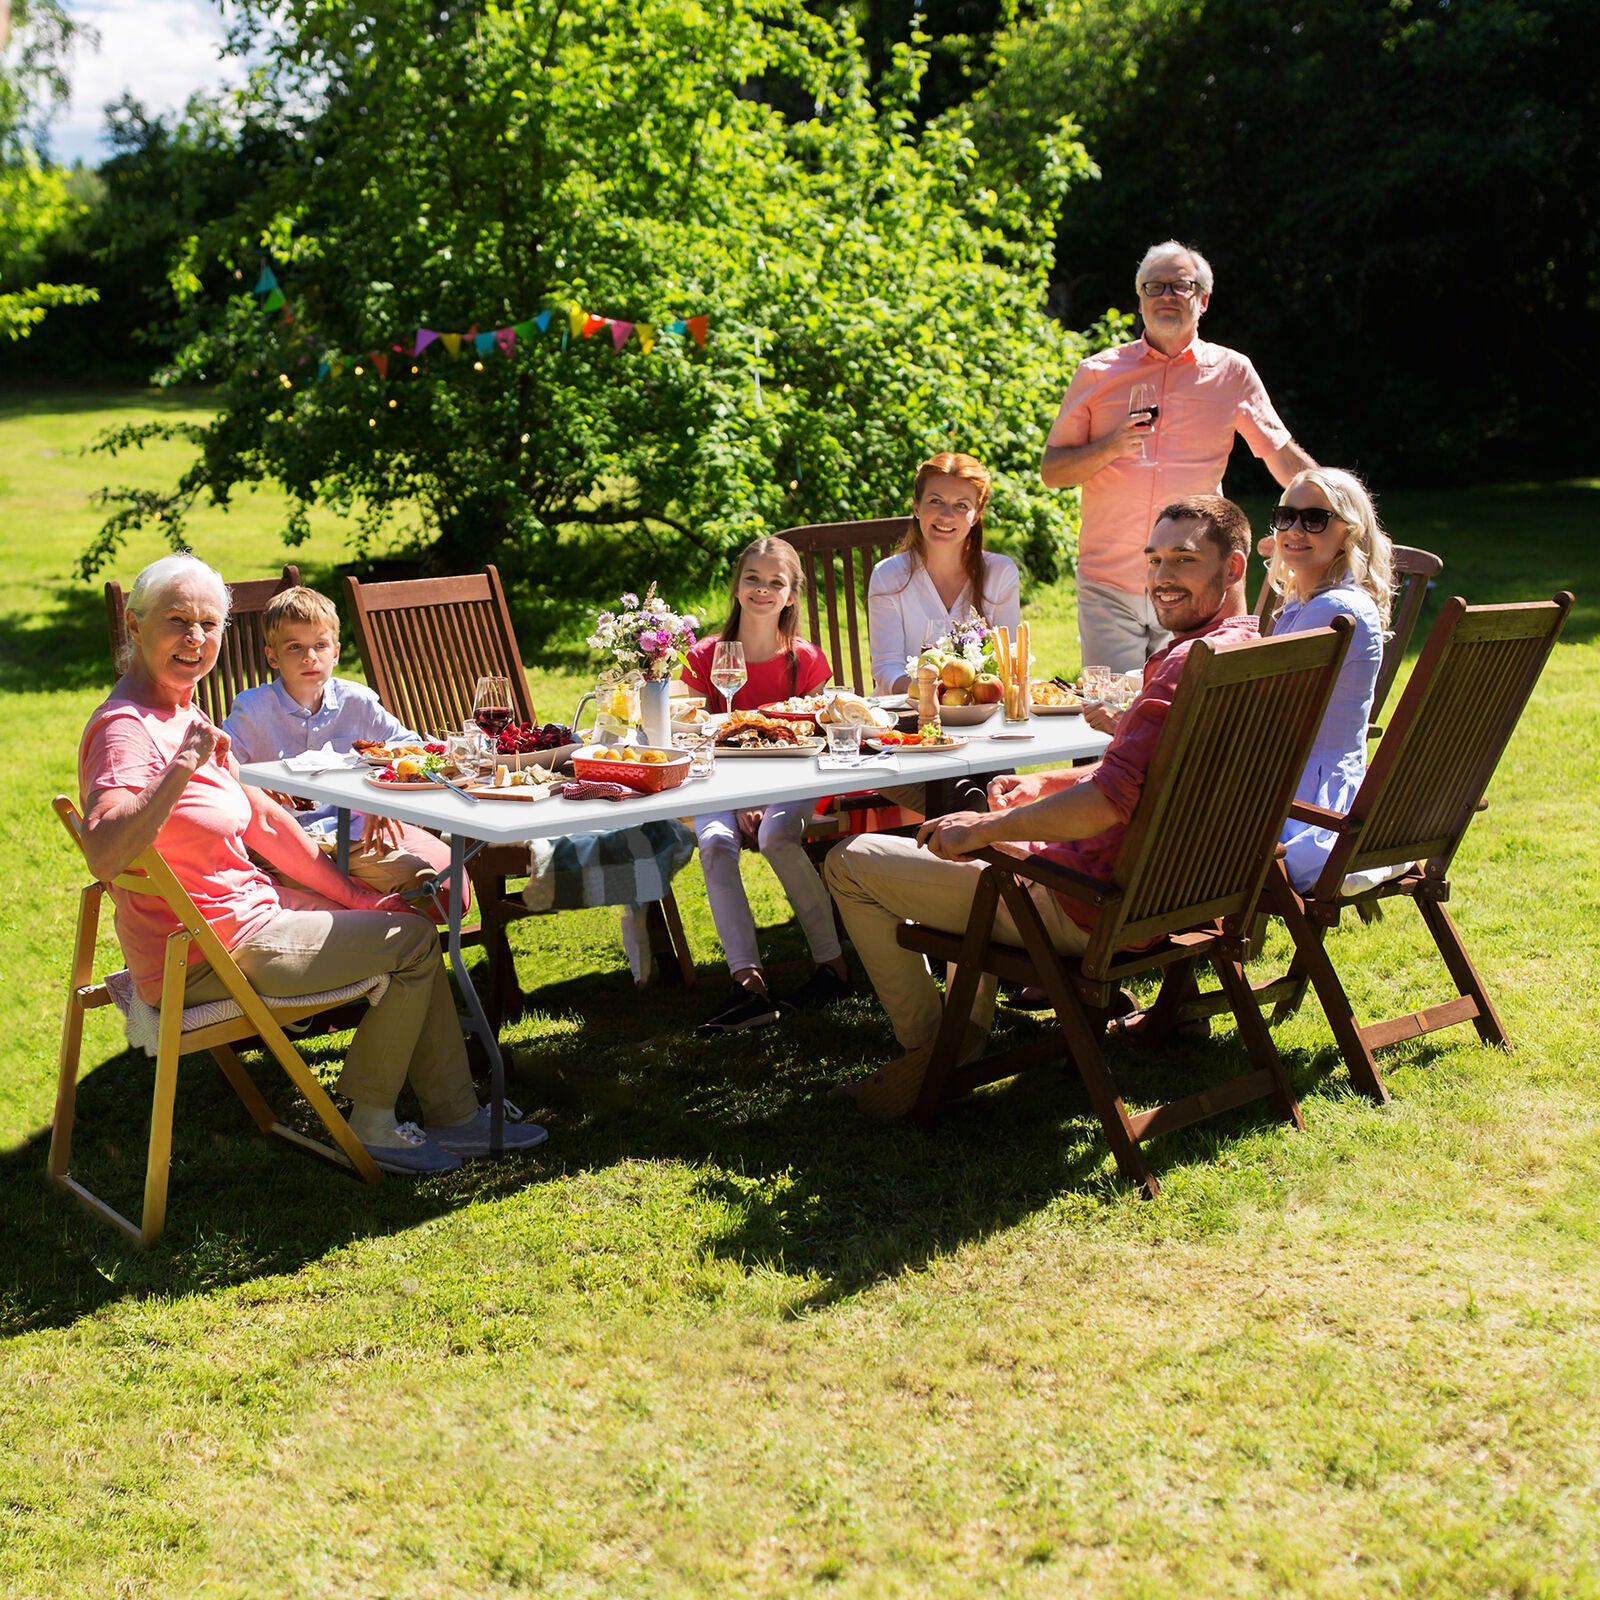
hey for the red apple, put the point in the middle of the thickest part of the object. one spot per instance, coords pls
(987, 690)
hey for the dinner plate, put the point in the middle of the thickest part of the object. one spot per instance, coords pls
(954, 742)
(779, 714)
(410, 786)
(806, 747)
(1059, 711)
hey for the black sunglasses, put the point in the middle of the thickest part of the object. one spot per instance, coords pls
(1312, 518)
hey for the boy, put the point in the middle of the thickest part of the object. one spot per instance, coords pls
(304, 708)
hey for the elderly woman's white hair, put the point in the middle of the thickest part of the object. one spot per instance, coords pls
(1172, 247)
(1367, 560)
(153, 585)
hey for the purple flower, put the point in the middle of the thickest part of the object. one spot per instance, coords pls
(630, 602)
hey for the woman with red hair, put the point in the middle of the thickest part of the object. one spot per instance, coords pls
(941, 571)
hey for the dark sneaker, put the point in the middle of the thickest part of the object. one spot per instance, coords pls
(822, 988)
(744, 1008)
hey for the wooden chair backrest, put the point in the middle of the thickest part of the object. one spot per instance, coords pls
(1449, 730)
(242, 661)
(1226, 765)
(1414, 570)
(838, 558)
(427, 641)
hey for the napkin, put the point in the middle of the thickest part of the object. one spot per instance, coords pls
(327, 759)
(883, 762)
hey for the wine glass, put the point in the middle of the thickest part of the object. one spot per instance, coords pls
(491, 706)
(728, 672)
(1142, 403)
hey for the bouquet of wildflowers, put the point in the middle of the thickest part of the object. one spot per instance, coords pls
(645, 636)
(972, 641)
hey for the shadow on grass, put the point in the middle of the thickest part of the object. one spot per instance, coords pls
(62, 645)
(812, 1186)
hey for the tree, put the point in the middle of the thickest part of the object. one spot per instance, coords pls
(1401, 199)
(468, 167)
(35, 201)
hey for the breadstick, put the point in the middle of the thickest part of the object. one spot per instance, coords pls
(1002, 656)
(1021, 662)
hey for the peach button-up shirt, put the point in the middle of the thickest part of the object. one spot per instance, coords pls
(1207, 394)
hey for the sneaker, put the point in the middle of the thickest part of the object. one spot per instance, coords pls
(822, 988)
(419, 1156)
(472, 1138)
(744, 1008)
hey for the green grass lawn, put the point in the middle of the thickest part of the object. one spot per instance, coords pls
(722, 1336)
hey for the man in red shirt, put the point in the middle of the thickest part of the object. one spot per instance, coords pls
(1131, 463)
(1195, 561)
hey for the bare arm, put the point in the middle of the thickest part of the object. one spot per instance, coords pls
(275, 836)
(119, 825)
(1079, 811)
(1064, 466)
(1284, 462)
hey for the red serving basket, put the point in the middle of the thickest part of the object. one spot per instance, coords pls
(648, 777)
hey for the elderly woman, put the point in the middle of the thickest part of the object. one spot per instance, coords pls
(1331, 559)
(152, 770)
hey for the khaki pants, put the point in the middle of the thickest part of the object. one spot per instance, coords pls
(1117, 629)
(879, 881)
(412, 1033)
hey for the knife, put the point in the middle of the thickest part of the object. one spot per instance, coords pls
(439, 777)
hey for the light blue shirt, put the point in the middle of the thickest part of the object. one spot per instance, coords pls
(268, 723)
(1338, 759)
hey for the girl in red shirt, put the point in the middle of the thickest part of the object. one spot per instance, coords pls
(763, 618)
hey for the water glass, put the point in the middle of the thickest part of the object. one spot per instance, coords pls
(702, 749)
(844, 741)
(1096, 682)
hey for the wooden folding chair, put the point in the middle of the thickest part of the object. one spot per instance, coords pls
(1184, 888)
(1425, 784)
(242, 661)
(426, 642)
(1413, 571)
(150, 875)
(838, 558)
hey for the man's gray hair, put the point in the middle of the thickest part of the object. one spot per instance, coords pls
(1202, 267)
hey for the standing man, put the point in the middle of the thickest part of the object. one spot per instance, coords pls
(1132, 465)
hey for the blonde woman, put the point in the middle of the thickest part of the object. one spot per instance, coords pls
(1331, 558)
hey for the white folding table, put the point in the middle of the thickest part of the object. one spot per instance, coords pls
(740, 782)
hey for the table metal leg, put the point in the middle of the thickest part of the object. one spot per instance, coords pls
(341, 855)
(475, 1011)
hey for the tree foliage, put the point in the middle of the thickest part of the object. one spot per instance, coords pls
(1401, 199)
(35, 199)
(446, 167)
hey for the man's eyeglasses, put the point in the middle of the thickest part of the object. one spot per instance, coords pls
(1312, 518)
(1184, 288)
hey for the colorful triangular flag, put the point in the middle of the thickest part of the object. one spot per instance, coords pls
(483, 343)
(523, 330)
(451, 342)
(677, 325)
(266, 283)
(576, 317)
(425, 337)
(381, 362)
(273, 300)
(506, 339)
(647, 336)
(542, 321)
(592, 325)
(697, 327)
(619, 333)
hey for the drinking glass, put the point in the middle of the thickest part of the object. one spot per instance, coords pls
(844, 740)
(491, 705)
(1124, 689)
(1142, 403)
(1097, 683)
(702, 748)
(728, 672)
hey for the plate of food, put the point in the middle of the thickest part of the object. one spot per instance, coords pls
(1051, 699)
(377, 754)
(797, 708)
(521, 785)
(915, 744)
(750, 733)
(851, 710)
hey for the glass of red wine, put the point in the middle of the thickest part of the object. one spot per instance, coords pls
(491, 705)
(1142, 403)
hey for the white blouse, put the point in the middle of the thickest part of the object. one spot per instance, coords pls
(901, 601)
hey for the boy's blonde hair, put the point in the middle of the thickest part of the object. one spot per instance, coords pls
(298, 605)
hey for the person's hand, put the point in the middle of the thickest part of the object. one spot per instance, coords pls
(1102, 718)
(954, 836)
(203, 743)
(396, 903)
(380, 836)
(1267, 547)
(750, 826)
(1130, 435)
(1013, 789)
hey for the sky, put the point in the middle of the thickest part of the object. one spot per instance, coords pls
(160, 50)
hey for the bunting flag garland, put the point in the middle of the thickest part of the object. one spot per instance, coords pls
(579, 323)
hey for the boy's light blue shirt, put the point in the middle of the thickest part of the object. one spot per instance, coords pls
(268, 723)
